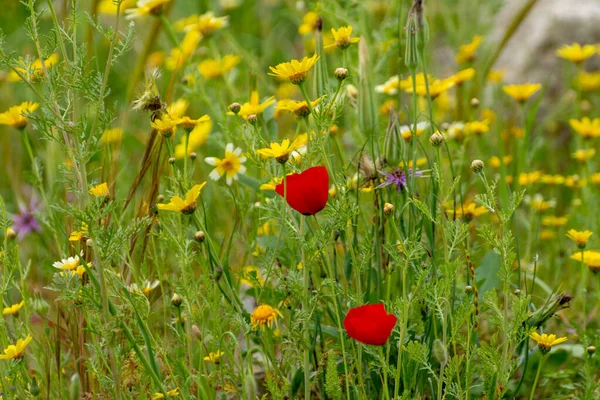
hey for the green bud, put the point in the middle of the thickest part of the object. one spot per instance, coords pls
(440, 353)
(75, 387)
(411, 56)
(34, 389)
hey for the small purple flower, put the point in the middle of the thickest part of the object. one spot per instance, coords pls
(25, 221)
(397, 177)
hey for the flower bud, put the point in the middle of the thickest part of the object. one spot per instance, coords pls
(172, 160)
(591, 350)
(193, 155)
(517, 292)
(10, 233)
(252, 118)
(75, 387)
(340, 74)
(474, 102)
(196, 332)
(89, 243)
(388, 208)
(160, 198)
(468, 289)
(436, 139)
(235, 107)
(34, 389)
(176, 300)
(199, 236)
(477, 166)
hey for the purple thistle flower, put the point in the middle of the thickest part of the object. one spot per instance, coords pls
(397, 177)
(25, 221)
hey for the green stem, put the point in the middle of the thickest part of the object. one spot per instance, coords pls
(537, 377)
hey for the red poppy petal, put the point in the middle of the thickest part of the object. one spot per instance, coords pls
(370, 324)
(308, 191)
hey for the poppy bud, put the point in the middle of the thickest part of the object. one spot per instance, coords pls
(10, 233)
(75, 387)
(252, 118)
(388, 208)
(306, 192)
(199, 236)
(235, 107)
(440, 353)
(34, 389)
(436, 139)
(196, 332)
(176, 300)
(340, 74)
(370, 324)
(477, 166)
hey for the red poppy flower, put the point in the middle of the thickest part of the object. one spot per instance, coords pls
(369, 324)
(306, 192)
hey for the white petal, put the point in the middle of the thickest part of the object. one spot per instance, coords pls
(211, 161)
(229, 148)
(229, 180)
(214, 175)
(242, 170)
(243, 159)
(237, 151)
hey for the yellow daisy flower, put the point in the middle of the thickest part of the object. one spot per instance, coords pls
(585, 127)
(300, 108)
(389, 87)
(184, 206)
(309, 23)
(170, 393)
(478, 127)
(588, 81)
(99, 190)
(16, 116)
(521, 92)
(554, 221)
(178, 108)
(230, 165)
(469, 211)
(579, 237)
(146, 7)
(113, 135)
(271, 184)
(463, 76)
(576, 53)
(545, 341)
(591, 258)
(206, 24)
(179, 56)
(110, 8)
(33, 72)
(342, 37)
(254, 107)
(165, 125)
(198, 137)
(281, 152)
(14, 309)
(15, 351)
(583, 154)
(466, 52)
(495, 76)
(264, 315)
(214, 357)
(211, 69)
(295, 71)
(68, 264)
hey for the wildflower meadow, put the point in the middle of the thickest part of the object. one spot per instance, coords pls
(281, 199)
